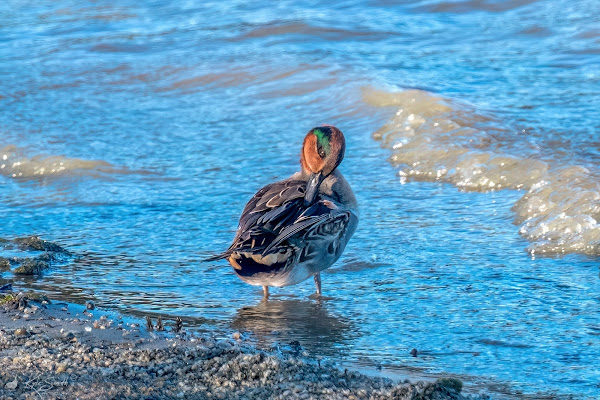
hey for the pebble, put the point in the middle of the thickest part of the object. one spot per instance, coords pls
(21, 332)
(12, 385)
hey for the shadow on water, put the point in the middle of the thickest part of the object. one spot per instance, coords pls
(289, 320)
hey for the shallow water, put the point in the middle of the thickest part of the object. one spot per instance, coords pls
(133, 135)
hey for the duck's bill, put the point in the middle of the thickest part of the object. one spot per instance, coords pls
(312, 187)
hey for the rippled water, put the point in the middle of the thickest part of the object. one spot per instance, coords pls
(134, 134)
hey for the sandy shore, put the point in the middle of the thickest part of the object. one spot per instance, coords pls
(52, 350)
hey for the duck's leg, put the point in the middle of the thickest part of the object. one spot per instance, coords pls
(318, 283)
(265, 292)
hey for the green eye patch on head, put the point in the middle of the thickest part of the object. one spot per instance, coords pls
(323, 146)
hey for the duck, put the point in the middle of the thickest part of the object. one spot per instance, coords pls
(293, 229)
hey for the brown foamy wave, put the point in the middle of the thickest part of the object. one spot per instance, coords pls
(436, 139)
(13, 164)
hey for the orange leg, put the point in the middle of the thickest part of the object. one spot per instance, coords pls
(318, 282)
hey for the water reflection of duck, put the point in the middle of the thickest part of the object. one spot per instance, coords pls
(289, 320)
(294, 229)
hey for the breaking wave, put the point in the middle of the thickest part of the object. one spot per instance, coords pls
(437, 139)
(14, 164)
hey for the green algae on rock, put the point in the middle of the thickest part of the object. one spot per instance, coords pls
(33, 264)
(34, 243)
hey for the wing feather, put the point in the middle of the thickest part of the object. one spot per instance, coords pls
(277, 213)
(320, 214)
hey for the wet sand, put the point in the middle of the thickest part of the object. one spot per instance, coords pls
(56, 350)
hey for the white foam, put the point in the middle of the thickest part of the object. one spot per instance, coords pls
(436, 139)
(14, 164)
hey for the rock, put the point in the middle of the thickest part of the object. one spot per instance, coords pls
(12, 385)
(7, 300)
(450, 383)
(4, 264)
(60, 368)
(178, 325)
(22, 301)
(21, 332)
(90, 305)
(296, 348)
(149, 325)
(34, 243)
(35, 264)
(414, 352)
(36, 296)
(31, 266)
(6, 288)
(237, 336)
(30, 310)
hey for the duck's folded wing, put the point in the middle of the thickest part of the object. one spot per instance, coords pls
(323, 219)
(265, 215)
(272, 206)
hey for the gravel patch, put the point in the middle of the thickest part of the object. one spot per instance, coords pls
(47, 351)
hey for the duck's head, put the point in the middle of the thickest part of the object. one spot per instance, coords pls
(322, 151)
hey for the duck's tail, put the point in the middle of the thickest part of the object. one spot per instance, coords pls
(248, 264)
(218, 257)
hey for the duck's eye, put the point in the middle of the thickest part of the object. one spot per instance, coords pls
(321, 152)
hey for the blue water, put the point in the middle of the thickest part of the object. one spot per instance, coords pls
(168, 116)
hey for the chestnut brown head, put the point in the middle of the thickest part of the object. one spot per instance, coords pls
(322, 151)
